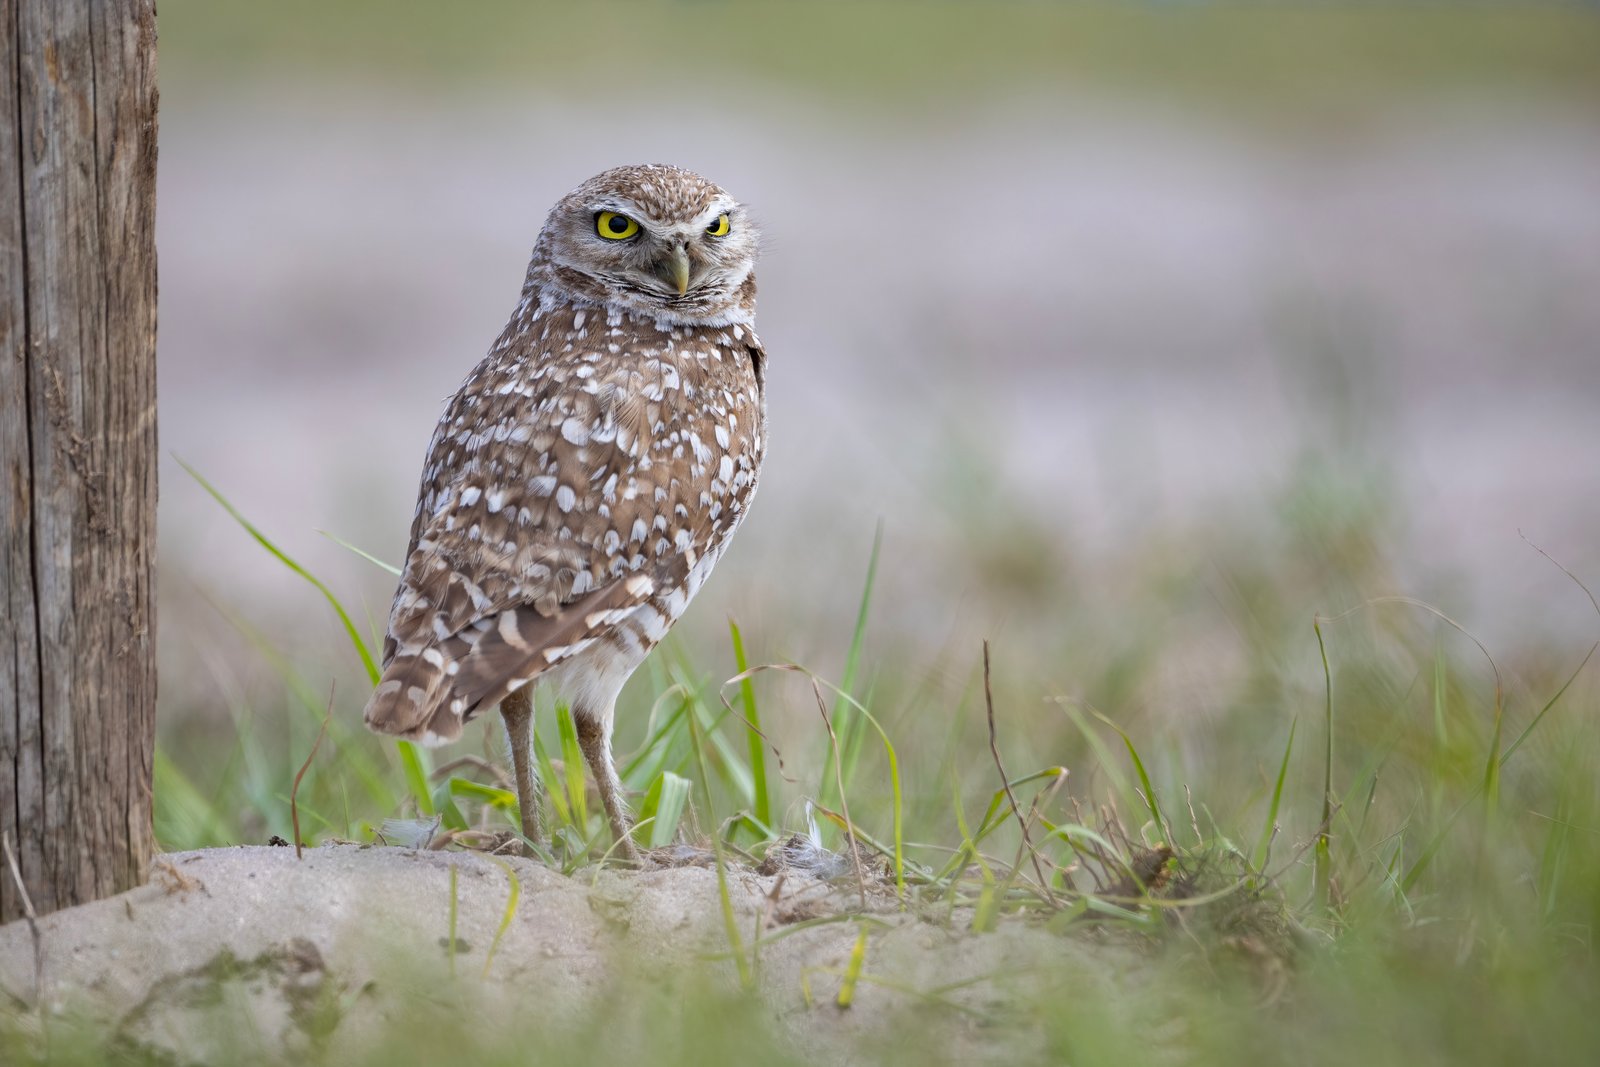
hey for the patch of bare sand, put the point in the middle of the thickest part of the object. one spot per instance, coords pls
(323, 954)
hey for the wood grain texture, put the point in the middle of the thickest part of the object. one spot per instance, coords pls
(77, 445)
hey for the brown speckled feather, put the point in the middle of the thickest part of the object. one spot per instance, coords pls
(578, 489)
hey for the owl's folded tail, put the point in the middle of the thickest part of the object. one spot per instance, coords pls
(411, 694)
(429, 691)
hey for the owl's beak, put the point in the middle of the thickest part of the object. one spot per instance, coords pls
(675, 269)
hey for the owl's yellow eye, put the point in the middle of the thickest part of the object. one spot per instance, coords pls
(616, 227)
(719, 228)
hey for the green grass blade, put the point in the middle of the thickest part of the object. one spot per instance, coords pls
(350, 630)
(515, 885)
(572, 764)
(1258, 859)
(895, 792)
(503, 799)
(1075, 833)
(454, 904)
(1107, 764)
(666, 737)
(852, 662)
(1523, 736)
(368, 556)
(664, 804)
(1431, 849)
(853, 741)
(416, 774)
(968, 852)
(183, 816)
(1441, 686)
(547, 774)
(730, 766)
(986, 910)
(282, 799)
(354, 758)
(1151, 803)
(1322, 861)
(444, 805)
(762, 801)
(729, 921)
(733, 771)
(852, 972)
(995, 816)
(1491, 765)
(845, 727)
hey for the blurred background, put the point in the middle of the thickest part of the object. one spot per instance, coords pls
(1146, 333)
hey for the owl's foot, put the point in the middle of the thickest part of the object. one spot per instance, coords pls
(595, 741)
(517, 710)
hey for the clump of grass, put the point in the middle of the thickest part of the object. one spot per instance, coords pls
(1420, 848)
(689, 743)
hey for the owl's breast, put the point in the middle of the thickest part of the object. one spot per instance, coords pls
(698, 409)
(571, 459)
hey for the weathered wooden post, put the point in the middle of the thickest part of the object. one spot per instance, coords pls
(77, 446)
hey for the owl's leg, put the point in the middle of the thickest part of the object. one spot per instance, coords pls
(594, 737)
(517, 710)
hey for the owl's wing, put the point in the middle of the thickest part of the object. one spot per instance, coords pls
(530, 539)
(430, 688)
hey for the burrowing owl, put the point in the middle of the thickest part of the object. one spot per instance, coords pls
(588, 473)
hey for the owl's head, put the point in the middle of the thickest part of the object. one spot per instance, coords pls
(654, 240)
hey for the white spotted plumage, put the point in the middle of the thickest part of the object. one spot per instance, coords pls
(585, 478)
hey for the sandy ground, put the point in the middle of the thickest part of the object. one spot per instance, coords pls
(247, 952)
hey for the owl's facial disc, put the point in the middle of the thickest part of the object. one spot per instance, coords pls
(663, 257)
(656, 240)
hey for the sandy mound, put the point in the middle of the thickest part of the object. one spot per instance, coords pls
(321, 954)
